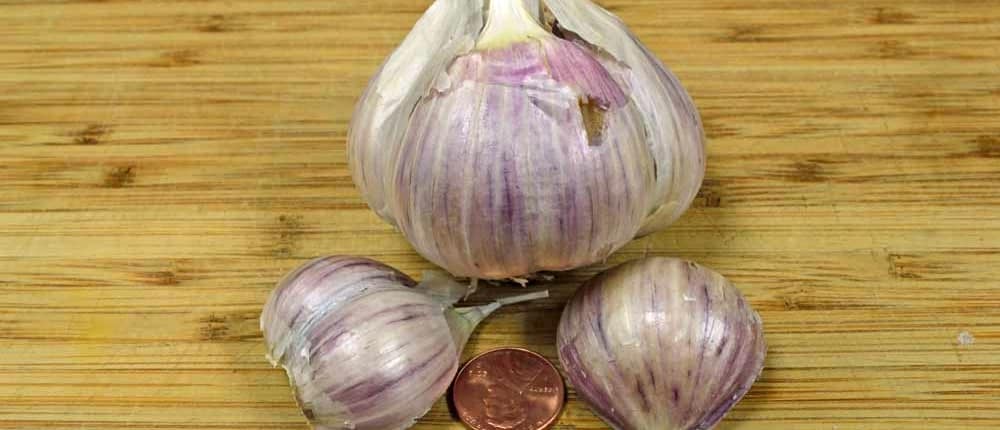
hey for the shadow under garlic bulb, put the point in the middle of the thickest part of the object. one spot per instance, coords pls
(660, 343)
(501, 144)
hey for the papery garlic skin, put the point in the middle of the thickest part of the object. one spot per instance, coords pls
(525, 151)
(364, 346)
(447, 28)
(676, 136)
(660, 343)
(513, 185)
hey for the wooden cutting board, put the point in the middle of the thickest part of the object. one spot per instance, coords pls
(163, 163)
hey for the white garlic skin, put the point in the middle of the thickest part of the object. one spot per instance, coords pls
(660, 343)
(362, 346)
(500, 149)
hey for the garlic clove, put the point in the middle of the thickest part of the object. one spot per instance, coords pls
(364, 346)
(675, 134)
(303, 296)
(447, 28)
(660, 343)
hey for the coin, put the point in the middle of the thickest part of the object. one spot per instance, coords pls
(508, 389)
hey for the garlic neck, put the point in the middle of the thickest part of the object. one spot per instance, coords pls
(509, 21)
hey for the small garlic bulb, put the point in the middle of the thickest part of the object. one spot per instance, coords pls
(660, 343)
(502, 146)
(364, 346)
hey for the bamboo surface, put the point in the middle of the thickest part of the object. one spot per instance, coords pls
(163, 163)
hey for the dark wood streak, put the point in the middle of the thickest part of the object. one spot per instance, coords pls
(987, 146)
(887, 15)
(165, 277)
(92, 134)
(237, 326)
(119, 177)
(179, 58)
(289, 229)
(217, 23)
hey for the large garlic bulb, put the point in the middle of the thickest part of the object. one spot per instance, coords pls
(660, 343)
(502, 145)
(364, 346)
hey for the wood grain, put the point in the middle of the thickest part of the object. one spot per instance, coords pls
(162, 164)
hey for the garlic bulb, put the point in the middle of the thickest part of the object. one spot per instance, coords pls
(364, 345)
(660, 343)
(502, 146)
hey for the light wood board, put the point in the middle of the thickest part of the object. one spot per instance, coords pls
(163, 163)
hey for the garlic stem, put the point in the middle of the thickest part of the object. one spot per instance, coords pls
(503, 301)
(464, 320)
(509, 21)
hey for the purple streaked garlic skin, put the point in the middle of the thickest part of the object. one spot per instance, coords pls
(518, 147)
(516, 200)
(364, 345)
(660, 343)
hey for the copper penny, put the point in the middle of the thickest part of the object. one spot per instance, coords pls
(508, 389)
